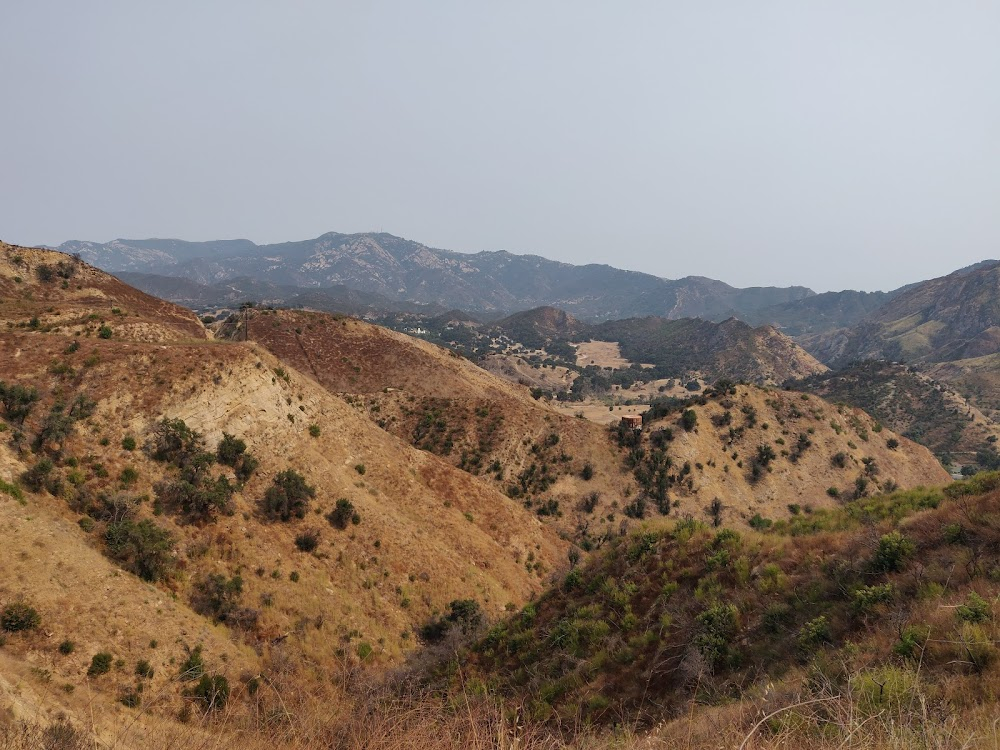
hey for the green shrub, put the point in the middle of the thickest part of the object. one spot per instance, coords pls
(144, 669)
(216, 596)
(174, 442)
(866, 598)
(813, 634)
(341, 513)
(892, 552)
(193, 667)
(307, 541)
(105, 331)
(198, 498)
(128, 443)
(717, 627)
(37, 477)
(100, 664)
(689, 419)
(777, 617)
(230, 450)
(954, 533)
(760, 523)
(314, 430)
(18, 616)
(288, 497)
(142, 548)
(11, 489)
(17, 401)
(212, 691)
(67, 647)
(911, 641)
(976, 609)
(465, 614)
(888, 689)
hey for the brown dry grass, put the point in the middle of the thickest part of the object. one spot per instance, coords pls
(832, 720)
(415, 550)
(416, 541)
(781, 417)
(88, 299)
(601, 354)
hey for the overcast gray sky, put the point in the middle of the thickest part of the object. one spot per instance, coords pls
(831, 144)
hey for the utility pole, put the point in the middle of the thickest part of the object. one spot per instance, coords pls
(246, 307)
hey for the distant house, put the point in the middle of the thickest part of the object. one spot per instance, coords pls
(632, 421)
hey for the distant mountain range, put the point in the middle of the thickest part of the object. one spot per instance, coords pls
(954, 317)
(403, 270)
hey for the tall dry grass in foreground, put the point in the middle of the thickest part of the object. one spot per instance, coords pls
(390, 719)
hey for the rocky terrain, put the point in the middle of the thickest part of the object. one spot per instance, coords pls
(404, 270)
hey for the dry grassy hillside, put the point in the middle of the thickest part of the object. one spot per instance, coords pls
(445, 405)
(49, 291)
(752, 451)
(519, 370)
(864, 630)
(423, 533)
(580, 477)
(294, 505)
(346, 355)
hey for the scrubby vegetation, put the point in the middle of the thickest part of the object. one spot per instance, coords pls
(288, 497)
(142, 548)
(907, 402)
(661, 614)
(18, 616)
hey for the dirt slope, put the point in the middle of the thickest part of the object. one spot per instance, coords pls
(427, 533)
(47, 290)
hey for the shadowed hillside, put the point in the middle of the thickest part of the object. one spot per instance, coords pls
(911, 403)
(950, 318)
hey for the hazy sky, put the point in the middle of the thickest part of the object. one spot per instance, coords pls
(831, 144)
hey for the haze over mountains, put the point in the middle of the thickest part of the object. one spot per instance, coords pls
(378, 272)
(401, 269)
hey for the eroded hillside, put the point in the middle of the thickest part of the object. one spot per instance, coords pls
(308, 535)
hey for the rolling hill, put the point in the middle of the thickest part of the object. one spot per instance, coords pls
(286, 512)
(852, 629)
(84, 480)
(821, 312)
(495, 430)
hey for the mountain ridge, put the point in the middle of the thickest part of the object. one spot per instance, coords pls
(485, 281)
